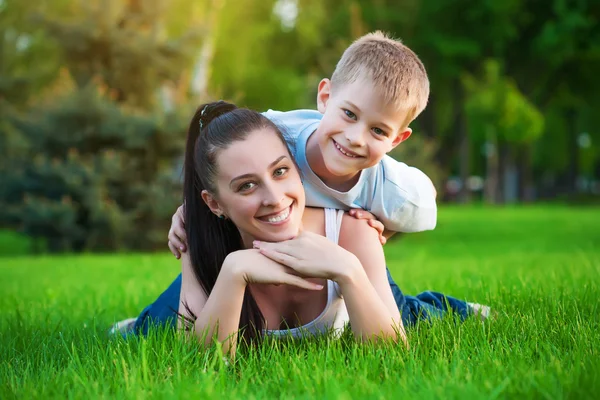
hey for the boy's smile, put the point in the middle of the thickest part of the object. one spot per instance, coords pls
(345, 151)
(357, 130)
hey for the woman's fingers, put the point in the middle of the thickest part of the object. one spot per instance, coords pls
(281, 258)
(292, 248)
(301, 283)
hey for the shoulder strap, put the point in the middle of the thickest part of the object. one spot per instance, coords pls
(333, 223)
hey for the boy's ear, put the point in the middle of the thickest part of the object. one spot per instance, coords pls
(401, 137)
(212, 203)
(323, 95)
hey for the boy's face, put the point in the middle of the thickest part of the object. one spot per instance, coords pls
(358, 128)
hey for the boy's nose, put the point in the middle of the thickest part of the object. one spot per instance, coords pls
(355, 137)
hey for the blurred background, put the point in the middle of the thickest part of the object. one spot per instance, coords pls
(96, 95)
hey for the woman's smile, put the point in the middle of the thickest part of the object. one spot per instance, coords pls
(279, 217)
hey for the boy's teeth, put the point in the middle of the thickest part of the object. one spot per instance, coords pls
(280, 217)
(342, 150)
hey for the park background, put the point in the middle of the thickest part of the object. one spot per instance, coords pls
(95, 98)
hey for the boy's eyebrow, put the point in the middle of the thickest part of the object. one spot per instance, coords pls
(351, 104)
(386, 126)
(244, 176)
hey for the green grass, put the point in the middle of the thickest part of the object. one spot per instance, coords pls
(539, 267)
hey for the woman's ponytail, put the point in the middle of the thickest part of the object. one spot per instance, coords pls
(210, 238)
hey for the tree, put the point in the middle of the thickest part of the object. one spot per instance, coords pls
(503, 119)
(104, 150)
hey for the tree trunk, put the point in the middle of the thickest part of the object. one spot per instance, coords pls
(511, 180)
(502, 156)
(490, 192)
(464, 146)
(573, 167)
(526, 185)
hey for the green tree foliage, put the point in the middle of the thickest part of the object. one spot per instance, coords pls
(501, 119)
(117, 41)
(91, 162)
(494, 103)
(92, 176)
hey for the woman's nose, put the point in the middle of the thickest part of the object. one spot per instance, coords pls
(273, 195)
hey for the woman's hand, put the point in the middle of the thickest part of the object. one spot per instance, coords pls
(253, 267)
(311, 255)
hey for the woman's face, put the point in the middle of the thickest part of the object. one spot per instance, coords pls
(259, 188)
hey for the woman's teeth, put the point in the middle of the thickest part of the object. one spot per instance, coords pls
(280, 216)
(342, 150)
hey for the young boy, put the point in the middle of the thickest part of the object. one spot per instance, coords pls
(378, 87)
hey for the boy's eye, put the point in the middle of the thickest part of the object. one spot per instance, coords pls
(280, 171)
(379, 131)
(244, 187)
(350, 114)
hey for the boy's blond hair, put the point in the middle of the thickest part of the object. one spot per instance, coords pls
(394, 69)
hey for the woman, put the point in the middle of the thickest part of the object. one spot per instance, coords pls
(257, 260)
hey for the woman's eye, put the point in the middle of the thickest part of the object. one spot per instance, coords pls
(246, 186)
(350, 114)
(281, 171)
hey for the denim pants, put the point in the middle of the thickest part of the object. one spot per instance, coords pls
(423, 307)
(426, 305)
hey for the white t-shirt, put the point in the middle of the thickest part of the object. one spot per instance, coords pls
(401, 197)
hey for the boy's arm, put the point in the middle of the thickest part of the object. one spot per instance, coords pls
(403, 198)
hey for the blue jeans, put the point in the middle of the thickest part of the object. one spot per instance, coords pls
(425, 306)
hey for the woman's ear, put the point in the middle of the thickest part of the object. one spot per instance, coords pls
(212, 203)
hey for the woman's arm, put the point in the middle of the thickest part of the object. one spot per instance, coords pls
(367, 293)
(218, 314)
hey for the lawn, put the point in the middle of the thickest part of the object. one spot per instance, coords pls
(538, 267)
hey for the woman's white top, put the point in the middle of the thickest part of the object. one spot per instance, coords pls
(335, 316)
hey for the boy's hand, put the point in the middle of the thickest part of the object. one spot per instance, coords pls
(371, 220)
(177, 238)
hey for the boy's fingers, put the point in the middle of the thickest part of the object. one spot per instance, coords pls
(361, 214)
(356, 213)
(174, 250)
(373, 223)
(180, 233)
(176, 242)
(181, 238)
(382, 239)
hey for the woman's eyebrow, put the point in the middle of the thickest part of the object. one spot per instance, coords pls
(244, 176)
